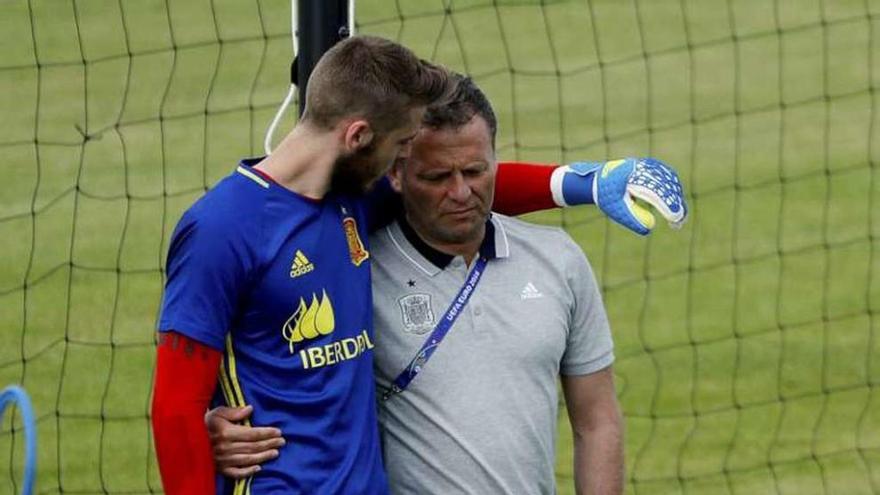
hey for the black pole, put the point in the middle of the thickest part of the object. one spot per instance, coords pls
(321, 24)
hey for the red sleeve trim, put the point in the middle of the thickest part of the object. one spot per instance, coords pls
(186, 376)
(523, 188)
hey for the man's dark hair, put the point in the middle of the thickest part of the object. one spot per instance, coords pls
(373, 78)
(459, 107)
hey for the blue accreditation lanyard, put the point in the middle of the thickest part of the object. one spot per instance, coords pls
(418, 362)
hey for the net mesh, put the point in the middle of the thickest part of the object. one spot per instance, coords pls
(746, 342)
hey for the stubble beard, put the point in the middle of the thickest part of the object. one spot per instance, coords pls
(356, 174)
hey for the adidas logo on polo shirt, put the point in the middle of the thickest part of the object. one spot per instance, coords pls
(530, 292)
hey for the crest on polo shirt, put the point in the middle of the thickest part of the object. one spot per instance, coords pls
(418, 317)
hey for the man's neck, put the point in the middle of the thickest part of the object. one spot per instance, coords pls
(467, 250)
(303, 162)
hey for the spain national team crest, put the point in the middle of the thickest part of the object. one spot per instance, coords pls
(418, 318)
(356, 248)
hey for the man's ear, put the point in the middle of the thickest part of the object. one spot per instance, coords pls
(358, 135)
(395, 175)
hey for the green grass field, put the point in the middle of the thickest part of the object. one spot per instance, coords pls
(748, 342)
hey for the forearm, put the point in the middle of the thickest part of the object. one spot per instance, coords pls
(598, 459)
(185, 379)
(611, 185)
(523, 188)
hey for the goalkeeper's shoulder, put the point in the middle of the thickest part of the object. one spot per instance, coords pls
(217, 221)
(221, 221)
(233, 197)
(235, 206)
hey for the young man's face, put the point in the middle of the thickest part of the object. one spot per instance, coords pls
(448, 182)
(359, 172)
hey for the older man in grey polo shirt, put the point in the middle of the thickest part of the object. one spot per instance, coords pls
(480, 416)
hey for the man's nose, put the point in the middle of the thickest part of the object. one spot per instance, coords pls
(459, 190)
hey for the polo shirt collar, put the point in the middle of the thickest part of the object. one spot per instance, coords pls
(432, 261)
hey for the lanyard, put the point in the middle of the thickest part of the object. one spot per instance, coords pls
(418, 362)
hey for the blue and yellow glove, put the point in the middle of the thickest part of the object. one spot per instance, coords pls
(613, 185)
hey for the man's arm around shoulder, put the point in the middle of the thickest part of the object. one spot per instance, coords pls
(598, 432)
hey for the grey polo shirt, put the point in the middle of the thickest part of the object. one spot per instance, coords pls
(481, 416)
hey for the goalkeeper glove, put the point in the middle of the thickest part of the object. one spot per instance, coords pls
(613, 185)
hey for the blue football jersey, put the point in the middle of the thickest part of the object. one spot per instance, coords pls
(281, 284)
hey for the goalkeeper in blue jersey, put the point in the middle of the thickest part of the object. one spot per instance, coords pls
(270, 266)
(268, 280)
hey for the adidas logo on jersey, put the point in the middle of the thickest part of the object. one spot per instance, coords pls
(530, 292)
(301, 265)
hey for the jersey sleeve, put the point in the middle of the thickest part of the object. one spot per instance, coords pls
(589, 347)
(523, 188)
(208, 263)
(186, 375)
